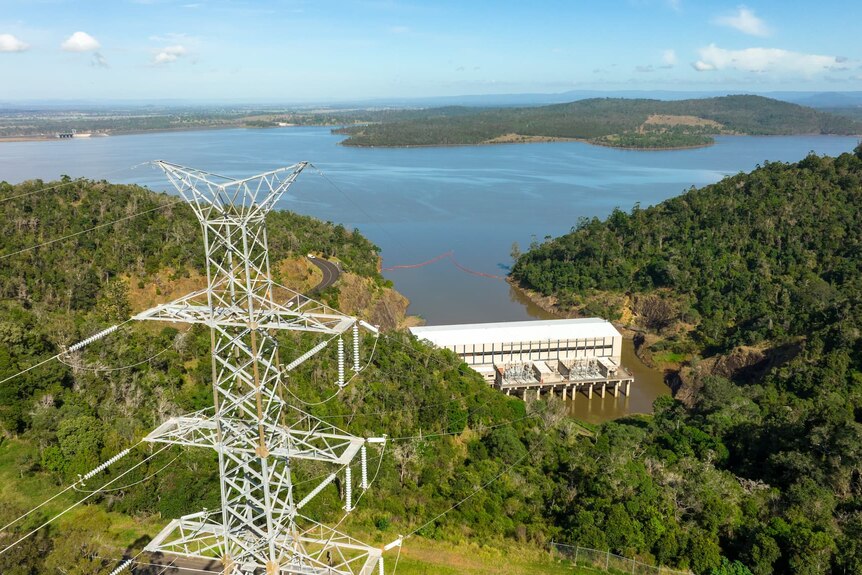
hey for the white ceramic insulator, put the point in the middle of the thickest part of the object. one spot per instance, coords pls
(93, 338)
(329, 479)
(348, 489)
(380, 567)
(122, 567)
(373, 329)
(340, 362)
(356, 347)
(293, 364)
(363, 459)
(105, 465)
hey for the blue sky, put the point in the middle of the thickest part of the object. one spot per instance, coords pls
(297, 51)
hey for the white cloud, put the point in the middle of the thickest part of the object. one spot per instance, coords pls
(399, 30)
(9, 43)
(669, 58)
(764, 60)
(746, 22)
(169, 54)
(80, 42)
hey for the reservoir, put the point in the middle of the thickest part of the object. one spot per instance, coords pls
(419, 203)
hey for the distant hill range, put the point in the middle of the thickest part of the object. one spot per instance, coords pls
(618, 122)
(813, 99)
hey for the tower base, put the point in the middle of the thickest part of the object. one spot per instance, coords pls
(318, 550)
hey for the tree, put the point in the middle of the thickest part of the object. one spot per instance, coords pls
(515, 252)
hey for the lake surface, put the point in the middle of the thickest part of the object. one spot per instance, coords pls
(417, 203)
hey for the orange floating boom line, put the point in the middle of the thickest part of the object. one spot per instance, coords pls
(413, 266)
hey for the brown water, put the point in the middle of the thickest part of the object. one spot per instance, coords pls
(648, 385)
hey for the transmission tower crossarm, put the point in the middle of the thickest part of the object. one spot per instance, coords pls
(313, 445)
(249, 197)
(194, 309)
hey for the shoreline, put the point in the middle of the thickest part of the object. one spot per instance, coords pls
(548, 305)
(41, 138)
(532, 140)
(525, 140)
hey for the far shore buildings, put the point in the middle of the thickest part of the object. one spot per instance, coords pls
(527, 357)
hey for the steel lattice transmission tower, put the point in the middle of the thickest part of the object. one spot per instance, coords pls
(258, 436)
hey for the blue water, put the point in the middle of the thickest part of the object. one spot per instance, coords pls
(420, 202)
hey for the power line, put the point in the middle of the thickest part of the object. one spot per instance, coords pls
(91, 473)
(474, 492)
(484, 427)
(150, 564)
(110, 369)
(96, 227)
(358, 206)
(130, 485)
(340, 388)
(70, 182)
(79, 502)
(74, 347)
(450, 255)
(50, 499)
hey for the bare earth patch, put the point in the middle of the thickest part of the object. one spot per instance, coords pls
(519, 139)
(667, 120)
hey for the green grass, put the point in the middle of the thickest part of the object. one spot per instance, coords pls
(426, 557)
(20, 491)
(668, 357)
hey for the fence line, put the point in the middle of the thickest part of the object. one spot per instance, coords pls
(610, 562)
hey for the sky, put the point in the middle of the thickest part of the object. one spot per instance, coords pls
(327, 51)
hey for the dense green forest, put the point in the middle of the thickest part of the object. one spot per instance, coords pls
(628, 123)
(767, 474)
(764, 266)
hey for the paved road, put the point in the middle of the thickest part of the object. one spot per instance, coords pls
(331, 273)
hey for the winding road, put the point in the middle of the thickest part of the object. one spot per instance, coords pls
(331, 273)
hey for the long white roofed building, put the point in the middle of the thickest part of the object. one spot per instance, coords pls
(540, 354)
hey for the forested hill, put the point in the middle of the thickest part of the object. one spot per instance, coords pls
(757, 278)
(619, 122)
(756, 257)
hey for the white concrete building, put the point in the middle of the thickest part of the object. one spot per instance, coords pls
(482, 345)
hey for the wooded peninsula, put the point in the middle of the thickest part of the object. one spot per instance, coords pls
(616, 122)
